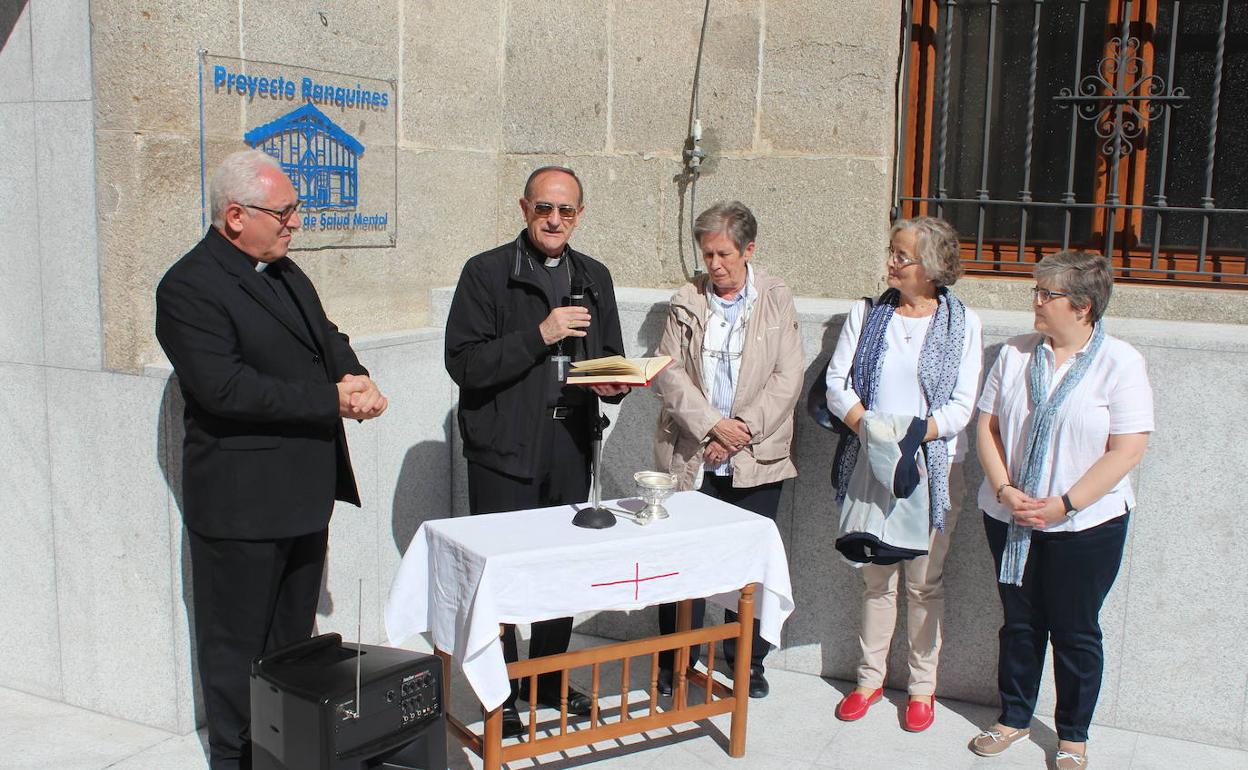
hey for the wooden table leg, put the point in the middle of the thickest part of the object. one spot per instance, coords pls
(492, 740)
(446, 678)
(684, 619)
(741, 672)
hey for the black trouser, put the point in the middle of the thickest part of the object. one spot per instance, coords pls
(763, 500)
(1067, 578)
(251, 597)
(564, 448)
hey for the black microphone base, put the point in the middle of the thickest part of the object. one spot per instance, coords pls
(594, 518)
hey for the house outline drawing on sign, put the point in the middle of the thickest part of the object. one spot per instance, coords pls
(321, 159)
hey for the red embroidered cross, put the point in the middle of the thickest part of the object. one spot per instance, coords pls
(636, 580)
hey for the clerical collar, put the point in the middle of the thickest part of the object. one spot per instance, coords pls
(533, 251)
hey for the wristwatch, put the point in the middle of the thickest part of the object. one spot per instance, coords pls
(1070, 508)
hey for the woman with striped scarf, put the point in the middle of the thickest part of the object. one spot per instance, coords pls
(914, 355)
(1064, 416)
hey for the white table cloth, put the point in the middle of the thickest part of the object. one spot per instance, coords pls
(461, 577)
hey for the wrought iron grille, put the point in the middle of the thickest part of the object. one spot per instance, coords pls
(1114, 125)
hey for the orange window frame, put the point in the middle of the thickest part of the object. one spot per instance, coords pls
(1132, 248)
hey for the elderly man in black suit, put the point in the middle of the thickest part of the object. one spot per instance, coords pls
(267, 380)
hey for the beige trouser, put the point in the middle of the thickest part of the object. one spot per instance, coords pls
(925, 601)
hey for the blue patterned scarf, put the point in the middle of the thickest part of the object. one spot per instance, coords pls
(939, 362)
(1044, 409)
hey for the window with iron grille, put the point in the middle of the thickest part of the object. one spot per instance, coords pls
(1119, 126)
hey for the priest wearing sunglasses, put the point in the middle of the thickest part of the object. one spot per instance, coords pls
(522, 312)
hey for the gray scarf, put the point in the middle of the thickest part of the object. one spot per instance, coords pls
(1036, 456)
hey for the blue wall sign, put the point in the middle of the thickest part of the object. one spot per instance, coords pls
(298, 115)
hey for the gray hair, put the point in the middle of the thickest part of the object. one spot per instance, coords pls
(237, 180)
(731, 217)
(1087, 277)
(937, 245)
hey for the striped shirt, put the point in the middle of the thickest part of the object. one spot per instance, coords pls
(724, 387)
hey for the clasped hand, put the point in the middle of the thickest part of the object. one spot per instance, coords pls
(359, 398)
(728, 437)
(1033, 511)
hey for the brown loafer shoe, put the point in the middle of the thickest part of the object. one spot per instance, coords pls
(1070, 760)
(990, 743)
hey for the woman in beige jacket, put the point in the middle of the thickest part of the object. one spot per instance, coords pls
(726, 424)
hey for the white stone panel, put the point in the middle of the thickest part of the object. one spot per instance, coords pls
(16, 82)
(65, 141)
(30, 655)
(1186, 610)
(21, 331)
(114, 577)
(61, 49)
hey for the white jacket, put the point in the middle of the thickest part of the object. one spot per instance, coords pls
(876, 526)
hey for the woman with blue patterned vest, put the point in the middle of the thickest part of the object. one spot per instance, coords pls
(1064, 416)
(911, 359)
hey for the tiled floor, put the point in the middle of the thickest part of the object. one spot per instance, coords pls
(791, 729)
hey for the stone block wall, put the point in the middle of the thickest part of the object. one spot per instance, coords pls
(795, 99)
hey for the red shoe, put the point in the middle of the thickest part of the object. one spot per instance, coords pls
(920, 715)
(855, 705)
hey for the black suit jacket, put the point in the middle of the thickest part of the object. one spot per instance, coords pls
(265, 454)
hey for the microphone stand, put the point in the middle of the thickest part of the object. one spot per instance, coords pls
(595, 516)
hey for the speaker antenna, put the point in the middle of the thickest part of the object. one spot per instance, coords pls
(359, 648)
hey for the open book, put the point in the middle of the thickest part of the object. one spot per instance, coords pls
(617, 370)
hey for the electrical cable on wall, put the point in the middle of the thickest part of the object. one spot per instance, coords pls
(694, 155)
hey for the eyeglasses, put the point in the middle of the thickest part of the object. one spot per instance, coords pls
(282, 217)
(894, 257)
(1044, 296)
(544, 209)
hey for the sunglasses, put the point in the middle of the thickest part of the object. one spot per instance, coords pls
(544, 209)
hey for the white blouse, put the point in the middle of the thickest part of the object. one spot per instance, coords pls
(1114, 398)
(899, 390)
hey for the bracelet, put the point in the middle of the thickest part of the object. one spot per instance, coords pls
(1001, 489)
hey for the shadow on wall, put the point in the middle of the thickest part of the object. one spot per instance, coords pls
(808, 522)
(169, 451)
(10, 12)
(423, 489)
(629, 448)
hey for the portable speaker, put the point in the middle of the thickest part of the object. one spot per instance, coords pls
(313, 709)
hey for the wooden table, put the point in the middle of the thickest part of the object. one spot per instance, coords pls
(463, 577)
